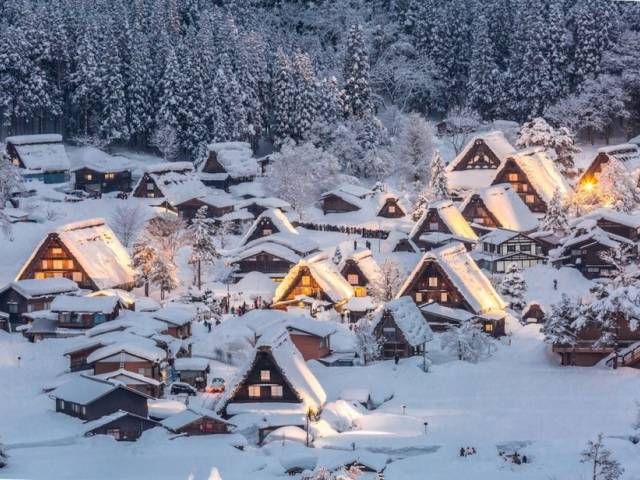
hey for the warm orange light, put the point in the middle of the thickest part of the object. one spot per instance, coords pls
(589, 185)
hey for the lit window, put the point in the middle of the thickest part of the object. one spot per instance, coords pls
(488, 327)
(353, 279)
(306, 280)
(88, 177)
(109, 176)
(433, 281)
(254, 391)
(433, 226)
(266, 231)
(77, 277)
(39, 275)
(529, 199)
(46, 264)
(276, 391)
(265, 375)
(58, 264)
(360, 291)
(444, 297)
(392, 209)
(68, 264)
(56, 251)
(418, 297)
(151, 186)
(512, 177)
(525, 187)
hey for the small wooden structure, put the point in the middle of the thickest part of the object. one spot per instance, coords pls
(218, 205)
(26, 296)
(390, 206)
(360, 269)
(175, 182)
(482, 152)
(270, 222)
(502, 248)
(90, 398)
(197, 421)
(39, 157)
(138, 358)
(84, 312)
(102, 173)
(346, 198)
(440, 224)
(270, 258)
(228, 163)
(193, 371)
(534, 312)
(178, 321)
(627, 153)
(135, 381)
(617, 223)
(121, 425)
(401, 328)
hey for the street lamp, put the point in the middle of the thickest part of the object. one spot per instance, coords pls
(426, 425)
(404, 409)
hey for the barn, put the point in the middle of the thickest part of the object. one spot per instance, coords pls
(39, 157)
(100, 172)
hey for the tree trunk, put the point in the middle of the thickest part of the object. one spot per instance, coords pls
(199, 274)
(146, 288)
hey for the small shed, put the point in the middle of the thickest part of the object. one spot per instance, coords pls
(121, 425)
(197, 421)
(40, 157)
(193, 371)
(534, 312)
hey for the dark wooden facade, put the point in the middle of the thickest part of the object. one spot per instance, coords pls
(204, 425)
(189, 208)
(54, 260)
(617, 228)
(14, 304)
(533, 313)
(93, 181)
(404, 245)
(79, 319)
(147, 188)
(332, 203)
(264, 383)
(512, 173)
(586, 257)
(126, 428)
(431, 284)
(478, 156)
(120, 398)
(391, 209)
(78, 357)
(263, 228)
(520, 250)
(393, 339)
(311, 346)
(263, 262)
(134, 364)
(475, 211)
(355, 277)
(433, 223)
(304, 285)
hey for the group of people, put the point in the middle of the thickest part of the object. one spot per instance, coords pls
(467, 451)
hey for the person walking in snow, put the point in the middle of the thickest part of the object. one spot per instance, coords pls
(396, 359)
(355, 244)
(555, 284)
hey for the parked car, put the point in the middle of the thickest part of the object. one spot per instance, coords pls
(216, 386)
(178, 388)
(75, 195)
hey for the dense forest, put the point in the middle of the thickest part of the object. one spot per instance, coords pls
(138, 72)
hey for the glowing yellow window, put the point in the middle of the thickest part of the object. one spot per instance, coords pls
(109, 176)
(488, 327)
(265, 375)
(418, 297)
(433, 282)
(88, 177)
(360, 291)
(306, 280)
(58, 264)
(444, 296)
(77, 276)
(529, 199)
(353, 279)
(254, 391)
(39, 275)
(56, 251)
(512, 177)
(392, 209)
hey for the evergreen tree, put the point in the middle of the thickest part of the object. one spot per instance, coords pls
(143, 258)
(231, 98)
(170, 87)
(306, 107)
(557, 328)
(617, 187)
(415, 148)
(467, 341)
(85, 78)
(203, 249)
(112, 121)
(357, 92)
(513, 287)
(163, 274)
(283, 99)
(337, 256)
(555, 218)
(483, 70)
(139, 93)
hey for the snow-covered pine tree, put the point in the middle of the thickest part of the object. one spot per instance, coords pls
(139, 92)
(415, 148)
(4, 456)
(192, 112)
(232, 100)
(85, 79)
(337, 256)
(170, 88)
(623, 259)
(306, 106)
(10, 182)
(142, 259)
(357, 92)
(467, 341)
(557, 328)
(283, 99)
(165, 139)
(203, 249)
(163, 274)
(386, 285)
(513, 287)
(555, 218)
(538, 133)
(483, 69)
(438, 183)
(368, 345)
(617, 188)
(602, 465)
(558, 49)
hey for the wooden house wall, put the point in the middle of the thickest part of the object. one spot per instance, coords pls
(397, 345)
(205, 426)
(618, 229)
(265, 263)
(475, 211)
(22, 305)
(586, 258)
(335, 204)
(99, 182)
(265, 361)
(181, 331)
(125, 429)
(312, 347)
(147, 188)
(14, 156)
(404, 245)
(264, 228)
(46, 264)
(78, 360)
(386, 212)
(85, 320)
(594, 169)
(118, 399)
(306, 285)
(212, 165)
(479, 156)
(189, 209)
(514, 175)
(432, 220)
(422, 293)
(141, 366)
(534, 312)
(360, 286)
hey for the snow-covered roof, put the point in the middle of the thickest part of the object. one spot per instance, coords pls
(99, 161)
(148, 352)
(267, 202)
(395, 237)
(334, 460)
(217, 199)
(588, 230)
(191, 363)
(352, 190)
(495, 140)
(542, 172)
(83, 390)
(98, 251)
(451, 217)
(507, 206)
(41, 287)
(458, 314)
(324, 272)
(165, 167)
(236, 158)
(294, 369)
(360, 304)
(260, 321)
(70, 303)
(178, 185)
(271, 248)
(301, 244)
(174, 315)
(126, 377)
(464, 273)
(627, 153)
(188, 416)
(632, 221)
(279, 220)
(365, 262)
(107, 419)
(408, 318)
(41, 152)
(498, 236)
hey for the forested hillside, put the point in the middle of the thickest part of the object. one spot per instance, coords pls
(204, 70)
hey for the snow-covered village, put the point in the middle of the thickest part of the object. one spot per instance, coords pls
(320, 240)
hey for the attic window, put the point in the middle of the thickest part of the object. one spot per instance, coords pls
(266, 231)
(433, 281)
(419, 297)
(306, 280)
(265, 375)
(512, 177)
(392, 209)
(444, 297)
(56, 251)
(254, 391)
(433, 226)
(109, 176)
(353, 279)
